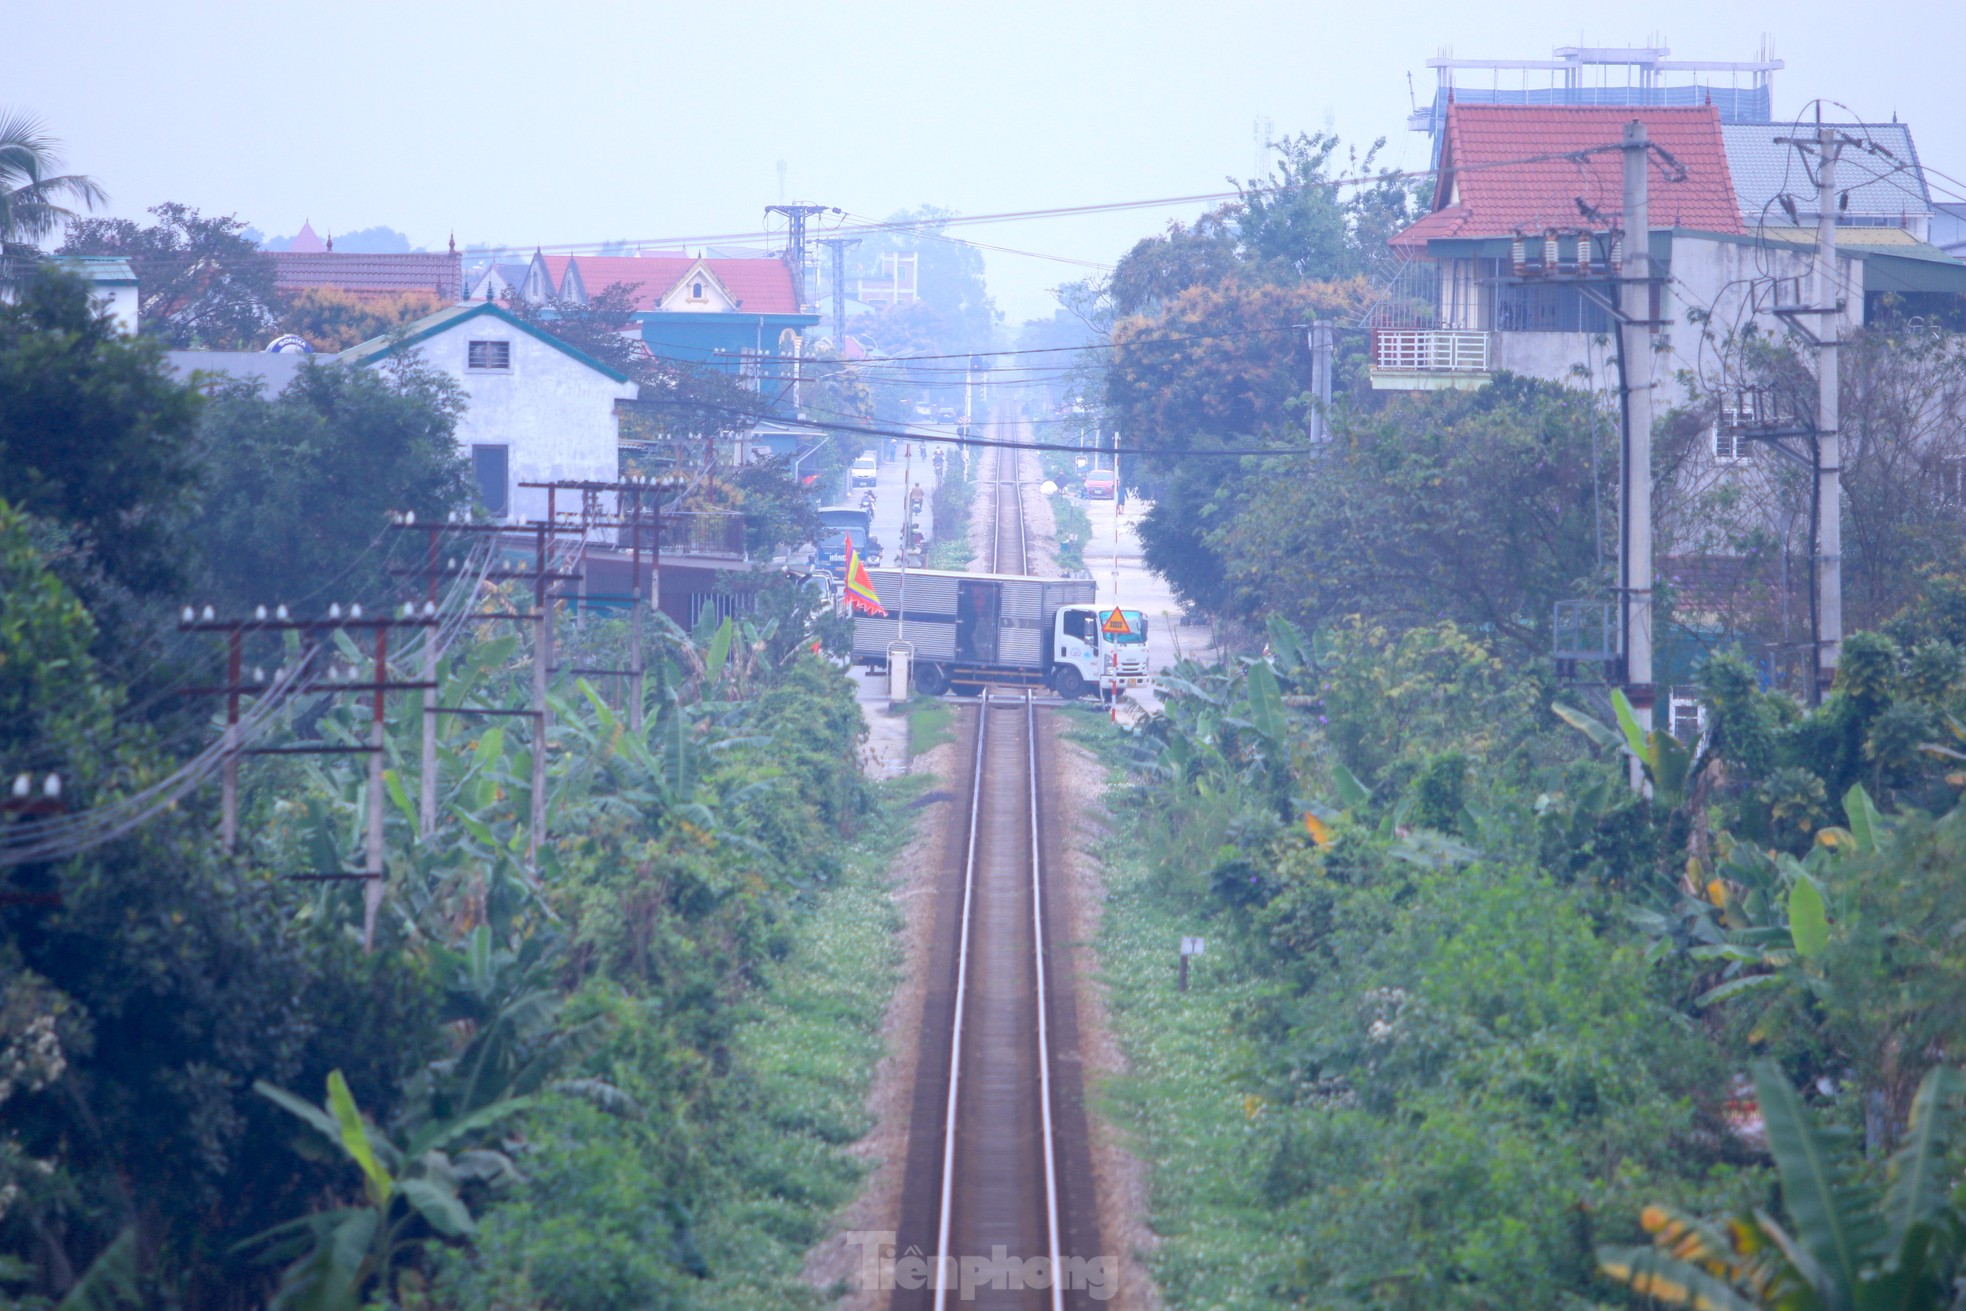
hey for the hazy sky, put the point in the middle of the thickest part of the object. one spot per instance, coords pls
(579, 122)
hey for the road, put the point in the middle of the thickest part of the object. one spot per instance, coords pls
(1115, 537)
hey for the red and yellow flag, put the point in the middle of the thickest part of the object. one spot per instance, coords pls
(859, 586)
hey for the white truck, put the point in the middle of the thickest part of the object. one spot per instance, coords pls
(970, 631)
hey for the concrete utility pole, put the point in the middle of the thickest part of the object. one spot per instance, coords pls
(426, 797)
(839, 246)
(1829, 446)
(1321, 353)
(1635, 484)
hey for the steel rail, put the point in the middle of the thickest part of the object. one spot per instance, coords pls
(1044, 1007)
(1007, 454)
(945, 1262)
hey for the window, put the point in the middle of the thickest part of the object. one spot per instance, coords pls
(1552, 308)
(696, 291)
(1952, 480)
(491, 466)
(1684, 718)
(1730, 442)
(1082, 624)
(488, 356)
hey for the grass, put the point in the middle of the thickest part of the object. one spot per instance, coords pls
(807, 1053)
(1074, 530)
(931, 722)
(949, 553)
(954, 496)
(1188, 1104)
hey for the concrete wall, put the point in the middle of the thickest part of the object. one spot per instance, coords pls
(554, 413)
(1551, 355)
(1708, 297)
(120, 300)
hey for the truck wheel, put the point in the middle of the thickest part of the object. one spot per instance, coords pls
(931, 679)
(1069, 682)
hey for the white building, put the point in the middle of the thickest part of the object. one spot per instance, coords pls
(1517, 266)
(115, 285)
(539, 410)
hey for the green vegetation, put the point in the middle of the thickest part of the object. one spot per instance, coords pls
(931, 722)
(1074, 526)
(619, 1072)
(1470, 1007)
(948, 514)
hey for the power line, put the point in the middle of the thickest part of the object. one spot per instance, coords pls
(908, 435)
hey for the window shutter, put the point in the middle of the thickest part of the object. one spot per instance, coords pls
(488, 355)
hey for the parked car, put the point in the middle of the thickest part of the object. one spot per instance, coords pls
(946, 414)
(1100, 484)
(866, 471)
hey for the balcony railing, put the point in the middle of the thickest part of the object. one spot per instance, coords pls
(691, 532)
(1429, 350)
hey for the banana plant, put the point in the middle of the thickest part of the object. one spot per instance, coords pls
(340, 1258)
(508, 1003)
(1842, 1245)
(1667, 762)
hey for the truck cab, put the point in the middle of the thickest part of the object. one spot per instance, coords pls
(836, 524)
(1085, 657)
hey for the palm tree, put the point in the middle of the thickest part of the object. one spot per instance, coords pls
(1847, 1244)
(32, 192)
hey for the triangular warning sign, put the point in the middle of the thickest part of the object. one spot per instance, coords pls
(1116, 625)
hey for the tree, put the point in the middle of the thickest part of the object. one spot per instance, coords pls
(1478, 507)
(333, 320)
(948, 277)
(299, 486)
(95, 438)
(204, 284)
(1210, 350)
(34, 196)
(1217, 367)
(1160, 268)
(1297, 224)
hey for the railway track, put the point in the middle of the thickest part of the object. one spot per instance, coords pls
(1010, 542)
(998, 1195)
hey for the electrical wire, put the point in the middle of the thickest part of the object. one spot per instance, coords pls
(37, 841)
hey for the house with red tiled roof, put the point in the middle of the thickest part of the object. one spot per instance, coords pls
(1516, 268)
(742, 314)
(436, 273)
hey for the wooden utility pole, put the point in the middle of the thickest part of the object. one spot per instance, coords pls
(542, 664)
(372, 889)
(229, 781)
(1635, 485)
(314, 638)
(427, 788)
